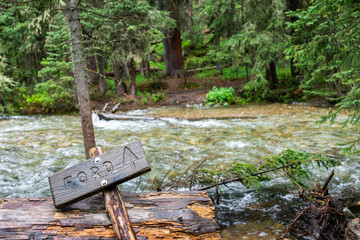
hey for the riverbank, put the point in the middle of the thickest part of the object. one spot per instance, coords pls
(192, 95)
(177, 92)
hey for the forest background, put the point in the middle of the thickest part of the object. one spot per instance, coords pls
(282, 50)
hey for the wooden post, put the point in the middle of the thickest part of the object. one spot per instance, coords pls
(115, 207)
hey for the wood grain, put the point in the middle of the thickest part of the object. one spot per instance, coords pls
(115, 208)
(161, 215)
(87, 178)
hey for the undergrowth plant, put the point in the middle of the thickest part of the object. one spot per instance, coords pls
(224, 96)
(145, 97)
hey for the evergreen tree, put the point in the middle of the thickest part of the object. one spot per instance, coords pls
(23, 28)
(325, 46)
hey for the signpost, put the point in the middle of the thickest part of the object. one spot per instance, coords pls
(102, 173)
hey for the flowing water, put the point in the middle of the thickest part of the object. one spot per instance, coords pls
(34, 147)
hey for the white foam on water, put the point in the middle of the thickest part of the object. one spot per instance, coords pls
(236, 144)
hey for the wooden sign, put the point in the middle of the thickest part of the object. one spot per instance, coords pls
(98, 174)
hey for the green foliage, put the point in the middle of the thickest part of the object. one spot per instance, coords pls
(192, 85)
(292, 164)
(22, 35)
(145, 97)
(259, 40)
(221, 95)
(350, 105)
(157, 97)
(5, 82)
(323, 45)
(207, 73)
(48, 97)
(128, 27)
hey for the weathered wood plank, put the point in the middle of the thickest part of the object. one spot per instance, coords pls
(115, 208)
(98, 174)
(162, 215)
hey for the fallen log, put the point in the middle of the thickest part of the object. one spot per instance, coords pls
(205, 68)
(109, 116)
(161, 215)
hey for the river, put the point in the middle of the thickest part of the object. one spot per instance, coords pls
(34, 147)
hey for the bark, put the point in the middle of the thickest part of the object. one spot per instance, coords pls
(147, 69)
(132, 71)
(293, 5)
(102, 83)
(80, 75)
(162, 215)
(142, 68)
(115, 207)
(218, 63)
(247, 72)
(2, 101)
(127, 70)
(120, 87)
(174, 61)
(92, 69)
(91, 62)
(271, 75)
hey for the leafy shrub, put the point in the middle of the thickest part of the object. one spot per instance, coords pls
(146, 96)
(157, 97)
(48, 97)
(144, 100)
(221, 95)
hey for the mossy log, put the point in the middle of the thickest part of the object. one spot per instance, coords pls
(161, 215)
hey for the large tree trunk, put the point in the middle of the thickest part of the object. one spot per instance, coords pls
(174, 61)
(102, 83)
(162, 215)
(271, 75)
(80, 75)
(132, 70)
(120, 87)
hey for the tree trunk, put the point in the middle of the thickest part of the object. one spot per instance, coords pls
(142, 68)
(271, 75)
(162, 215)
(80, 75)
(127, 70)
(102, 83)
(294, 5)
(218, 63)
(132, 70)
(2, 101)
(92, 69)
(120, 87)
(174, 61)
(147, 69)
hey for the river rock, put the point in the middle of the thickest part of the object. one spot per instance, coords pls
(352, 231)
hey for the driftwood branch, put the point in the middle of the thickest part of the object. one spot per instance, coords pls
(239, 179)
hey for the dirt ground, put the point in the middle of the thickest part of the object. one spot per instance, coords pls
(177, 93)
